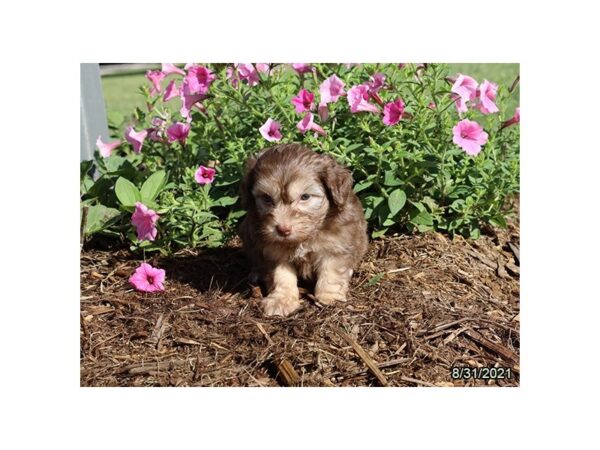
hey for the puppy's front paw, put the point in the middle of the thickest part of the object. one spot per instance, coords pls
(329, 297)
(279, 304)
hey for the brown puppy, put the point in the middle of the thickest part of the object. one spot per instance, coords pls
(303, 221)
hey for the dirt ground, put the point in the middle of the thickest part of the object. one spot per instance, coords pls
(419, 307)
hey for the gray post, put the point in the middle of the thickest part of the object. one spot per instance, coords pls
(92, 111)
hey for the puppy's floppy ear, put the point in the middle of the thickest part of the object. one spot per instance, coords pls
(338, 182)
(247, 183)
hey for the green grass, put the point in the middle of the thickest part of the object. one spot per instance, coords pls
(122, 96)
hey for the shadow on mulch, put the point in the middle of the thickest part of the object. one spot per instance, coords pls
(419, 307)
(224, 269)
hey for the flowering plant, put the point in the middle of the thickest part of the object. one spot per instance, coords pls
(428, 149)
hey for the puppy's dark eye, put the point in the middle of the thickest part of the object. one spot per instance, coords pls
(305, 197)
(267, 199)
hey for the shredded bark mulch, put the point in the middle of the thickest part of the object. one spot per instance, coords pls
(419, 307)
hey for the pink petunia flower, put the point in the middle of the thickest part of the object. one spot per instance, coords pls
(148, 279)
(168, 69)
(431, 105)
(516, 118)
(232, 75)
(205, 175)
(271, 130)
(155, 77)
(486, 95)
(392, 112)
(106, 149)
(469, 136)
(323, 112)
(358, 99)
(144, 220)
(178, 132)
(198, 80)
(303, 101)
(171, 92)
(188, 100)
(157, 132)
(464, 90)
(136, 138)
(376, 82)
(262, 68)
(331, 89)
(302, 68)
(307, 124)
(248, 73)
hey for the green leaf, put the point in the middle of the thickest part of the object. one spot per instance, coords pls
(424, 228)
(379, 233)
(99, 217)
(126, 192)
(396, 201)
(375, 279)
(362, 186)
(353, 147)
(390, 178)
(225, 201)
(84, 168)
(457, 205)
(113, 163)
(153, 185)
(423, 218)
(86, 184)
(498, 221)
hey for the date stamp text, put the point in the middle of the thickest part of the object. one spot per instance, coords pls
(481, 373)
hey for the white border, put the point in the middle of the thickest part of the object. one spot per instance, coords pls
(44, 44)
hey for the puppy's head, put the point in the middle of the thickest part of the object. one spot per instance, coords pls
(293, 192)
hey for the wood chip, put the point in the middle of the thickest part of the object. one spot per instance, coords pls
(420, 382)
(261, 328)
(157, 332)
(364, 356)
(186, 341)
(442, 326)
(513, 269)
(501, 271)
(488, 262)
(402, 269)
(157, 366)
(504, 352)
(516, 251)
(383, 365)
(287, 374)
(99, 310)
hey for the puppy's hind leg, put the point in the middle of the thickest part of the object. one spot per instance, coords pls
(284, 296)
(333, 278)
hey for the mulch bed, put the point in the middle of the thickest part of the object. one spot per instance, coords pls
(419, 306)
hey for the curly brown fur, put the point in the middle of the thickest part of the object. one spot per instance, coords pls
(303, 221)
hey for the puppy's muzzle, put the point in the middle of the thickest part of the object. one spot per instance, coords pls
(283, 229)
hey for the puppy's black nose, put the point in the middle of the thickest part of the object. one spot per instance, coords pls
(283, 229)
